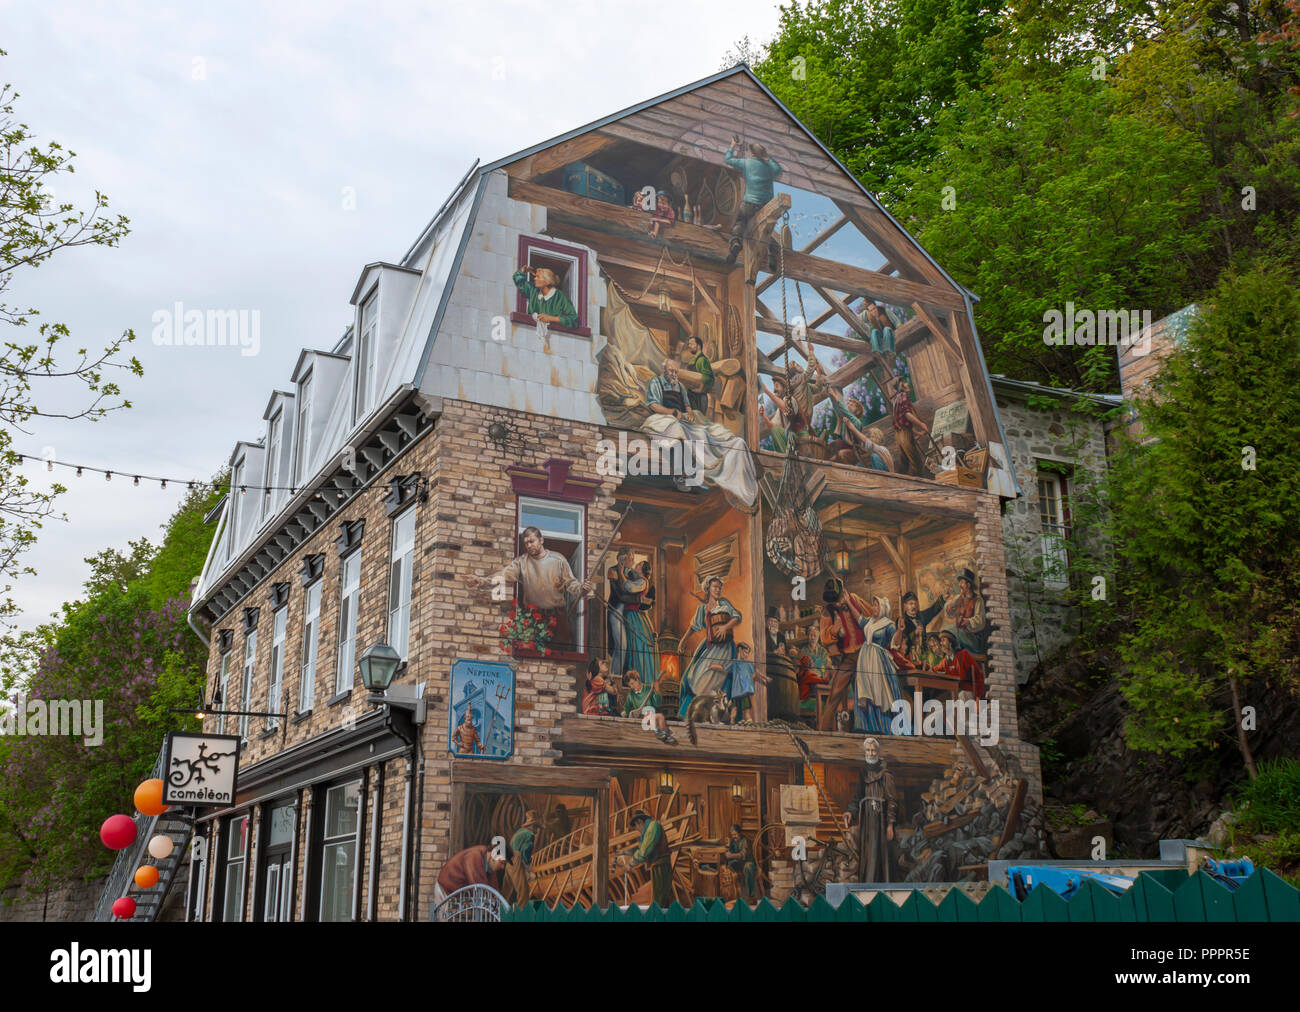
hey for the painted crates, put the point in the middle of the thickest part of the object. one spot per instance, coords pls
(586, 181)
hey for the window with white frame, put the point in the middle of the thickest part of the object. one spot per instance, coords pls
(563, 527)
(232, 905)
(274, 440)
(278, 623)
(310, 634)
(399, 581)
(303, 429)
(339, 850)
(363, 357)
(343, 676)
(1054, 528)
(246, 683)
(236, 483)
(227, 660)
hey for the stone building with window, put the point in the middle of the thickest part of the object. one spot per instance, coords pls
(657, 553)
(1057, 441)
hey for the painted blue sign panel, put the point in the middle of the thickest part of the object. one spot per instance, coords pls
(482, 710)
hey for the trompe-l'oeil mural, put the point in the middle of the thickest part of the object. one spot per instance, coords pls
(769, 649)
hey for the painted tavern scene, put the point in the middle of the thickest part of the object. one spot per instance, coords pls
(665, 469)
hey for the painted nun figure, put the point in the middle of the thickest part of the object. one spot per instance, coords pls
(877, 812)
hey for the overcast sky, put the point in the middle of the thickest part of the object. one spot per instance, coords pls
(235, 137)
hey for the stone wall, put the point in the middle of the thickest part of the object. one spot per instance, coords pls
(73, 901)
(1040, 620)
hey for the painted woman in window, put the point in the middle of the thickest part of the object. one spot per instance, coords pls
(546, 301)
(717, 618)
(640, 637)
(720, 457)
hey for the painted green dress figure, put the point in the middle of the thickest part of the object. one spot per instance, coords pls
(546, 300)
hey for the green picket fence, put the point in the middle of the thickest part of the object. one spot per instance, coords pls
(1165, 895)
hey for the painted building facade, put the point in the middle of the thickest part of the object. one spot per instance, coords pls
(667, 446)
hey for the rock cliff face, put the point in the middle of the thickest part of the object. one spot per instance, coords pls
(1072, 708)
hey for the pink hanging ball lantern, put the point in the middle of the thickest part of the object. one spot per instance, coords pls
(117, 832)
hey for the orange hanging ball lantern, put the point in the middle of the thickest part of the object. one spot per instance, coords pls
(146, 876)
(148, 798)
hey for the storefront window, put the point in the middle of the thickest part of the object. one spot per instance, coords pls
(277, 886)
(339, 851)
(236, 857)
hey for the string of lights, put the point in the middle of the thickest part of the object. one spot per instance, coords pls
(192, 484)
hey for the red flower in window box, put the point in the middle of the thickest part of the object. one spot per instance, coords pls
(526, 629)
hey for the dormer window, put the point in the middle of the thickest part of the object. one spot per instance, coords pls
(304, 429)
(274, 439)
(364, 358)
(236, 483)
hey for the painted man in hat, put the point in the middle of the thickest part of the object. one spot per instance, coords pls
(775, 637)
(959, 663)
(652, 851)
(877, 814)
(908, 429)
(911, 639)
(966, 612)
(518, 870)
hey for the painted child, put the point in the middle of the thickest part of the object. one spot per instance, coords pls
(741, 676)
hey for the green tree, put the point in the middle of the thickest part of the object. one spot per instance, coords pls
(1207, 522)
(869, 79)
(34, 227)
(1059, 198)
(128, 644)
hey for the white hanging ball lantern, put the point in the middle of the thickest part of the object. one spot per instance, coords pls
(160, 847)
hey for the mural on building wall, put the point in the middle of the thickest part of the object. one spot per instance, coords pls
(752, 624)
(664, 212)
(481, 722)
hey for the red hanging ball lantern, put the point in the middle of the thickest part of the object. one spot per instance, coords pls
(117, 832)
(124, 908)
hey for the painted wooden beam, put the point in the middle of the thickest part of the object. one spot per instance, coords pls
(565, 207)
(852, 280)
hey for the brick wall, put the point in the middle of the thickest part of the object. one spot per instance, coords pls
(467, 526)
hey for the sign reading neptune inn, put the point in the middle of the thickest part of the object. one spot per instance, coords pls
(461, 645)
